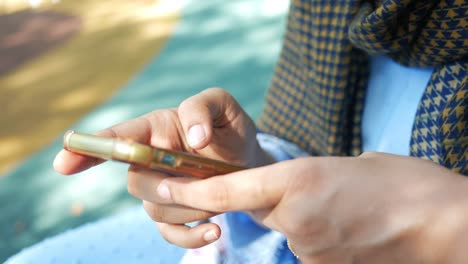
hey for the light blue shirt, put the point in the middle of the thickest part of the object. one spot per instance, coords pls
(393, 95)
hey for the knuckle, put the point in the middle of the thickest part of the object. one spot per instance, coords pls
(110, 131)
(224, 94)
(301, 228)
(165, 232)
(220, 197)
(154, 212)
(159, 214)
(368, 154)
(216, 90)
(294, 230)
(165, 116)
(220, 93)
(312, 175)
(186, 105)
(263, 192)
(159, 116)
(202, 215)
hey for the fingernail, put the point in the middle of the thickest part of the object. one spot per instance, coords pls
(164, 192)
(58, 161)
(196, 135)
(210, 236)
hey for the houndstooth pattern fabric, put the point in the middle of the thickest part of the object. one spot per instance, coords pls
(317, 93)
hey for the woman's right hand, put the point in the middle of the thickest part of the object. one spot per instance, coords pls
(211, 124)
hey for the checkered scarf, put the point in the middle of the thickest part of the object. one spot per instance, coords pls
(316, 97)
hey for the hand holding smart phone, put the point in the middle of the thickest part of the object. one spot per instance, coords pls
(131, 152)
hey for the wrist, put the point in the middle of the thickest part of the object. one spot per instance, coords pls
(457, 224)
(435, 229)
(446, 233)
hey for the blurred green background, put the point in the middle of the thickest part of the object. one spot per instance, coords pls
(86, 65)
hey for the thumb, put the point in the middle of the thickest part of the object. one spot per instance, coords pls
(199, 114)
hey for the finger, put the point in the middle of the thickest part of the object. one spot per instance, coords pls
(68, 163)
(142, 183)
(137, 129)
(240, 191)
(200, 113)
(190, 237)
(174, 214)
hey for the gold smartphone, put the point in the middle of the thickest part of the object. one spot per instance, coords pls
(175, 162)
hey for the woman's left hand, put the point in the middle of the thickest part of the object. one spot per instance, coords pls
(376, 208)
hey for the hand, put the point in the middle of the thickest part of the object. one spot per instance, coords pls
(211, 124)
(376, 208)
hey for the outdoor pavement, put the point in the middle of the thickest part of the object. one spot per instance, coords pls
(111, 64)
